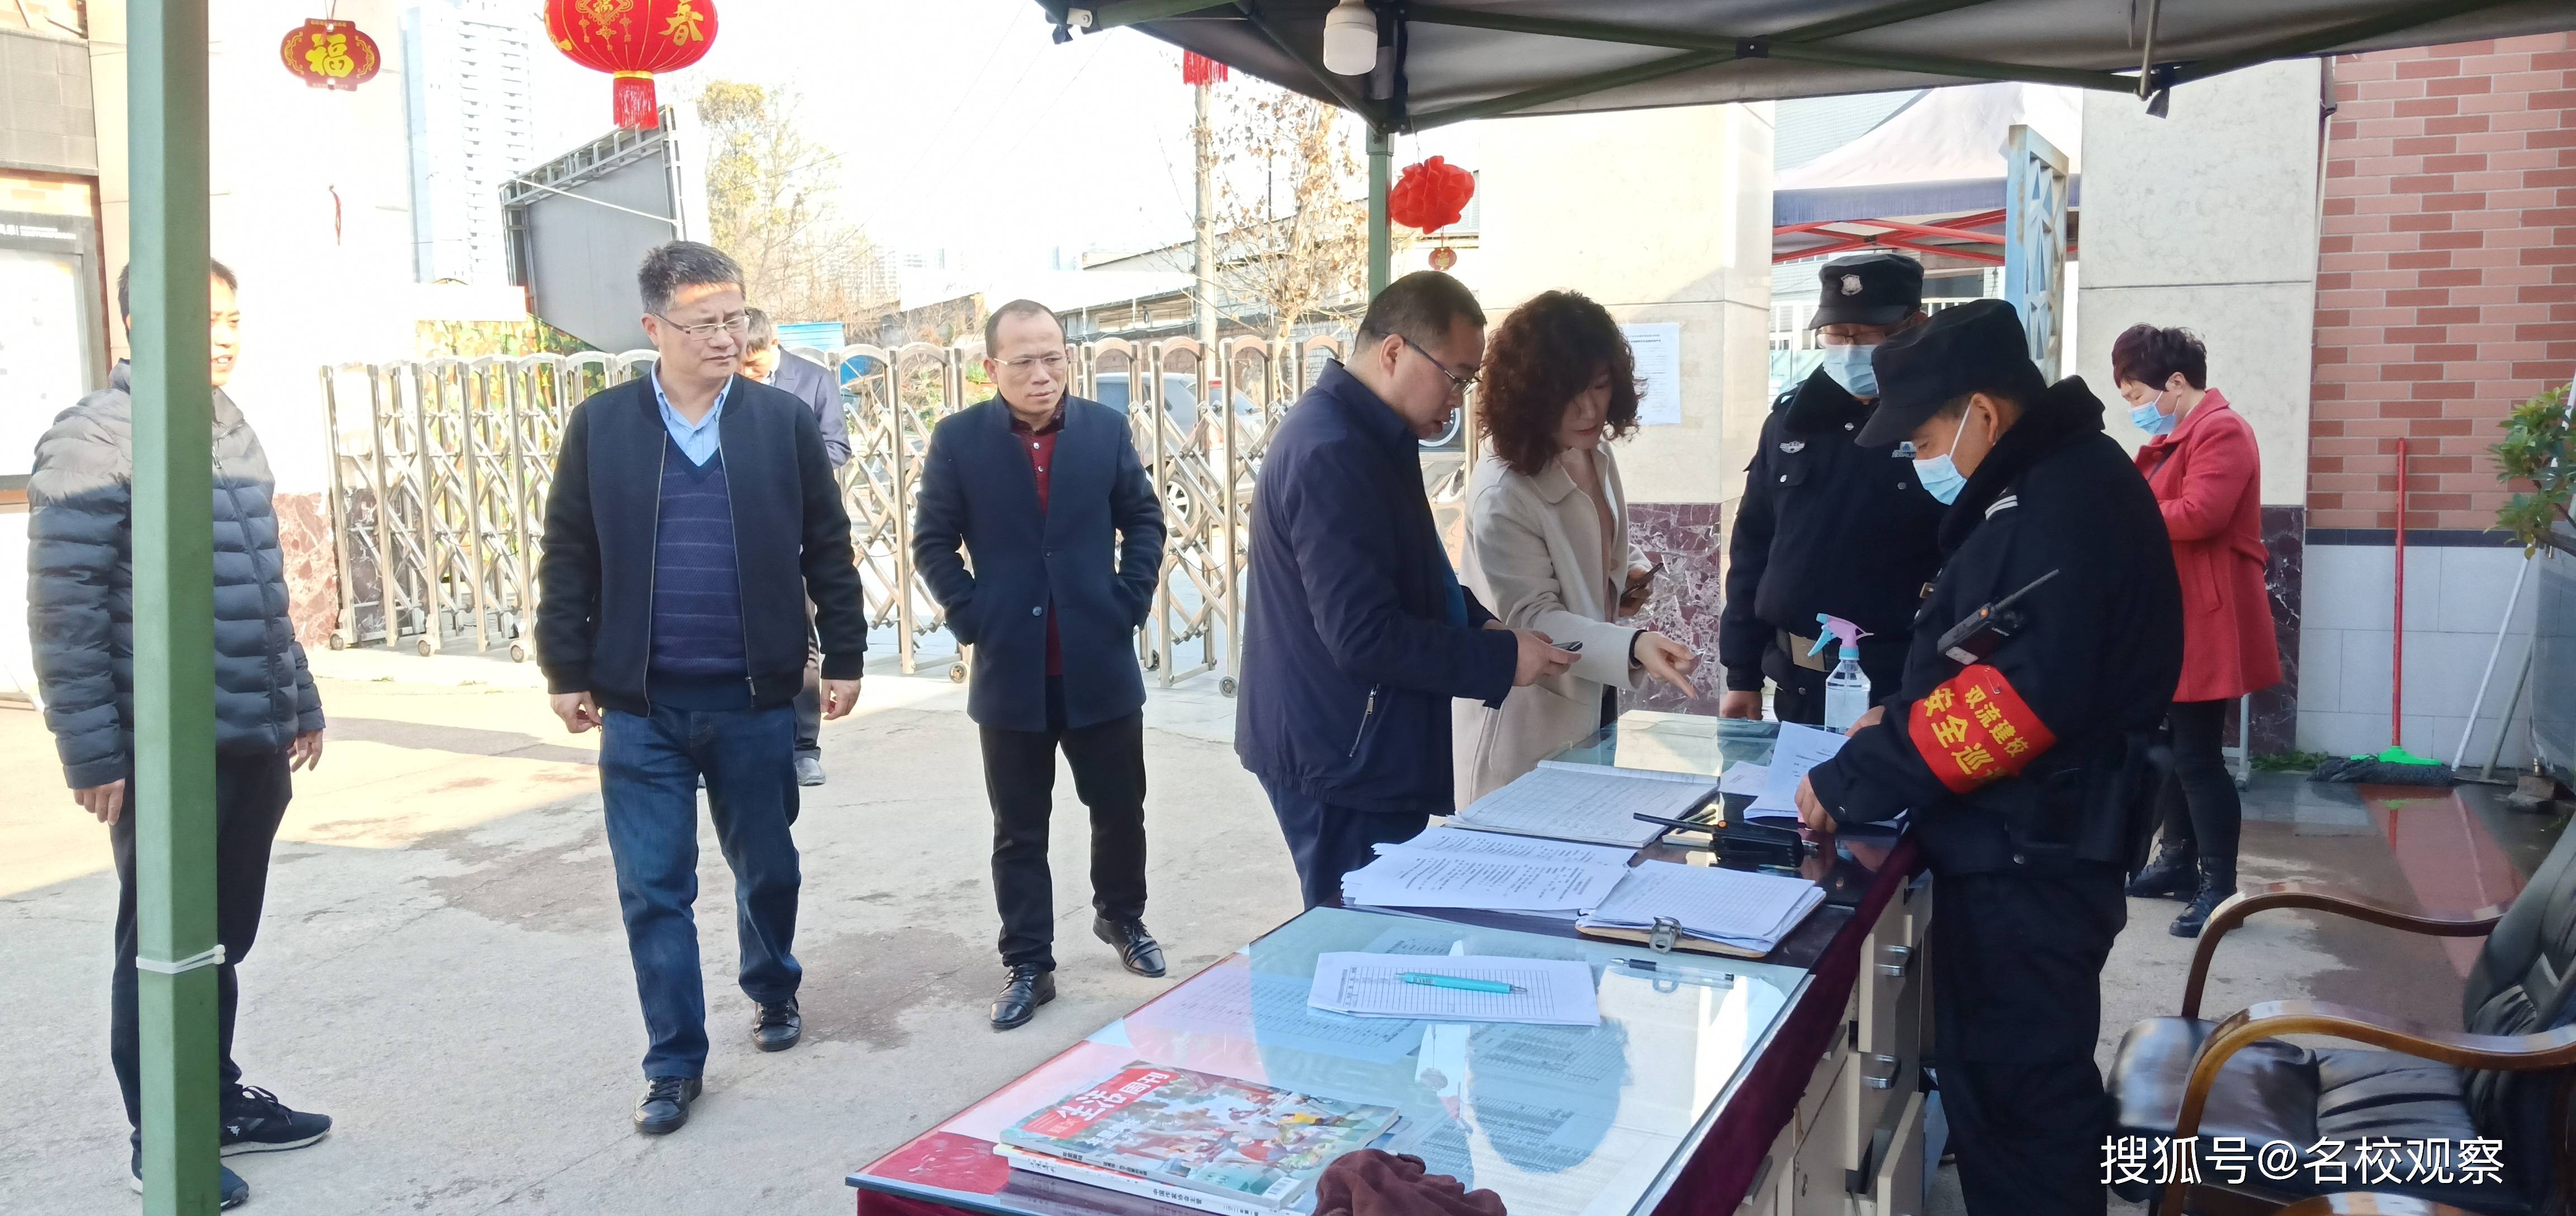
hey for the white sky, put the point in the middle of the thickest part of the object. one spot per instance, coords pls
(960, 123)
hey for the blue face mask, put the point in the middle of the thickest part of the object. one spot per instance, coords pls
(2146, 416)
(1849, 366)
(1940, 476)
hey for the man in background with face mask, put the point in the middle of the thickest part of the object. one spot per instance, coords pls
(2019, 739)
(1826, 525)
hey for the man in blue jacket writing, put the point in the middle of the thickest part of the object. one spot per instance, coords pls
(1358, 633)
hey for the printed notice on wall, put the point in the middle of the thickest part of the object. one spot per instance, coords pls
(1659, 371)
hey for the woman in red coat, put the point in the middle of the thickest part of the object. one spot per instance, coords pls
(2208, 477)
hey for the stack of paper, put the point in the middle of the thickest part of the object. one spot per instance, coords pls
(1448, 868)
(1731, 907)
(1800, 748)
(1547, 991)
(1588, 802)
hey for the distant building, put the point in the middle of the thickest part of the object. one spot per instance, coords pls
(472, 129)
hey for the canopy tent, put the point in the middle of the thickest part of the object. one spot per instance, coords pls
(1929, 178)
(1448, 61)
(1451, 60)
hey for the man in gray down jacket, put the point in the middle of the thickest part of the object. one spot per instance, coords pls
(268, 718)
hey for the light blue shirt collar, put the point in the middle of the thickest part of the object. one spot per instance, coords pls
(701, 441)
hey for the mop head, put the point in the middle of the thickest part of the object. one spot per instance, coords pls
(2396, 766)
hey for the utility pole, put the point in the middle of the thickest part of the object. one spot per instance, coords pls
(174, 609)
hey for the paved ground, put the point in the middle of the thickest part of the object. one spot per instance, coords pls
(442, 969)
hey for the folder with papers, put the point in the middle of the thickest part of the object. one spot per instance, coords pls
(1445, 867)
(1588, 803)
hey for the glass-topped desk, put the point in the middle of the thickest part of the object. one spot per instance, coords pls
(1668, 1105)
(1560, 1121)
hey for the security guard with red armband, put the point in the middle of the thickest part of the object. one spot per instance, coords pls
(2023, 740)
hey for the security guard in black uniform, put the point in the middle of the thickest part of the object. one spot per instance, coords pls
(2023, 739)
(1827, 526)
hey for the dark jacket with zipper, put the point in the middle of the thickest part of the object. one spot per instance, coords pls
(791, 542)
(1350, 659)
(1826, 525)
(2038, 755)
(1093, 554)
(80, 590)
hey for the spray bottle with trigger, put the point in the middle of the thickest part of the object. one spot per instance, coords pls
(1847, 689)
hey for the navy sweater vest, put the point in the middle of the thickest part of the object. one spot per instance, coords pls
(697, 598)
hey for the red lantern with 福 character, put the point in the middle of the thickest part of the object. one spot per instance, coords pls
(328, 54)
(630, 40)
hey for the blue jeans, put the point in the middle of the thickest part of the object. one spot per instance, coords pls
(648, 776)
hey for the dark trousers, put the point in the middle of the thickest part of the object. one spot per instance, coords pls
(809, 700)
(2017, 1007)
(1327, 841)
(250, 798)
(648, 775)
(2199, 804)
(1108, 762)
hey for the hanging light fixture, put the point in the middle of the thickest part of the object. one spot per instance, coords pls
(1350, 39)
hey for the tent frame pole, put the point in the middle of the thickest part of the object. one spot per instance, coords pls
(1381, 245)
(173, 562)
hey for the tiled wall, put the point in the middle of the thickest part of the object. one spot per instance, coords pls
(2446, 285)
(2455, 598)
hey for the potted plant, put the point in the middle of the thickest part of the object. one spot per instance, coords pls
(2535, 451)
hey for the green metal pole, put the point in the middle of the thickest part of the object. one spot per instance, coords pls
(174, 611)
(1381, 158)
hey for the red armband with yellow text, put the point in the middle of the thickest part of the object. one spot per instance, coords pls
(1974, 730)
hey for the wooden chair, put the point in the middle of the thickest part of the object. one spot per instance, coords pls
(2369, 1203)
(2510, 1077)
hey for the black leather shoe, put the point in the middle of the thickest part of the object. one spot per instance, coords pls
(1023, 990)
(1137, 949)
(778, 1027)
(665, 1104)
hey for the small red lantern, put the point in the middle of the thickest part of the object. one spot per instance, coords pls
(1198, 69)
(329, 54)
(631, 40)
(1431, 195)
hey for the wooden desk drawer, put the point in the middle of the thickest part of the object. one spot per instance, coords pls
(1764, 1199)
(1891, 959)
(1897, 1187)
(1827, 1077)
(1818, 1179)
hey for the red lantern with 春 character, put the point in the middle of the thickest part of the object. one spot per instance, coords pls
(1431, 195)
(328, 54)
(630, 40)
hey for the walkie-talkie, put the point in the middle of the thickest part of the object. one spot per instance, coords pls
(1980, 632)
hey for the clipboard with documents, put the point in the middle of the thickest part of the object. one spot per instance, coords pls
(1703, 909)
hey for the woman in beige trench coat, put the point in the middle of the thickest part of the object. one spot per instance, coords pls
(1547, 535)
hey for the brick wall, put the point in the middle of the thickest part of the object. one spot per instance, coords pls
(2446, 276)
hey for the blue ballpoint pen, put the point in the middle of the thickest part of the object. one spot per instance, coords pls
(1496, 987)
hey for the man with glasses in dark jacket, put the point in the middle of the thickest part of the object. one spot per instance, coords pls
(692, 515)
(268, 718)
(1360, 634)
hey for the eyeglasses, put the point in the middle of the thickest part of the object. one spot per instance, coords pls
(738, 323)
(1459, 381)
(1028, 363)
